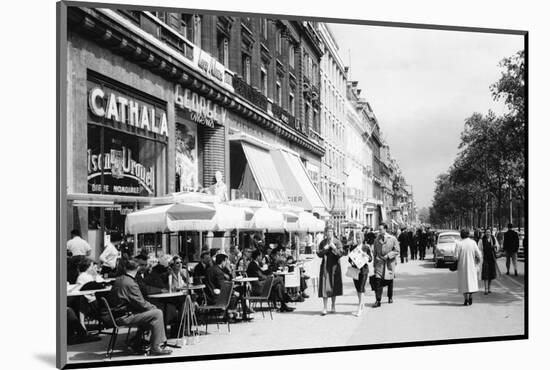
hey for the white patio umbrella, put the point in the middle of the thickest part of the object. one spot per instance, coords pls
(172, 218)
(229, 217)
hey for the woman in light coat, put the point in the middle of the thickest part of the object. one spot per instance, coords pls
(468, 257)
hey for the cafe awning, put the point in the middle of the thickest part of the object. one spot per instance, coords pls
(265, 174)
(299, 188)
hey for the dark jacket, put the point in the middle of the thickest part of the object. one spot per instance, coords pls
(126, 293)
(158, 277)
(511, 241)
(254, 270)
(403, 239)
(330, 273)
(369, 237)
(145, 288)
(215, 277)
(199, 271)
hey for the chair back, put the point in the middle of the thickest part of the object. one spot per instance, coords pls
(293, 280)
(224, 298)
(266, 289)
(107, 314)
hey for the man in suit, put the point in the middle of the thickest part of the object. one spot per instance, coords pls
(215, 277)
(278, 289)
(403, 239)
(199, 272)
(126, 294)
(511, 247)
(386, 251)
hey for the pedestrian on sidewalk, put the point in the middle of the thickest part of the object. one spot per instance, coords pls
(488, 245)
(386, 251)
(361, 280)
(403, 239)
(330, 273)
(511, 247)
(413, 244)
(468, 257)
(422, 237)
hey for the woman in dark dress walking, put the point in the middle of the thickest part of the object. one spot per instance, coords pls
(488, 245)
(330, 274)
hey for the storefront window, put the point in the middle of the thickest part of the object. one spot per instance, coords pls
(123, 164)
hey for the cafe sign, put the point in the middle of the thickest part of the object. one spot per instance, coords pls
(201, 110)
(114, 106)
(127, 176)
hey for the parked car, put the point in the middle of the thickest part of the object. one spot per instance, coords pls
(521, 251)
(444, 251)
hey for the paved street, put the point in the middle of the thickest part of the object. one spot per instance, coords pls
(426, 307)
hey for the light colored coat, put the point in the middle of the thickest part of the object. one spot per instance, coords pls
(468, 255)
(385, 256)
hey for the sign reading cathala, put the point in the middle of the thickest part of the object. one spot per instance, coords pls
(121, 167)
(202, 110)
(115, 106)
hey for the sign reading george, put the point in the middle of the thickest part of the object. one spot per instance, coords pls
(115, 106)
(203, 110)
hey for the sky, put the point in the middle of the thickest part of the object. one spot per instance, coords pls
(422, 85)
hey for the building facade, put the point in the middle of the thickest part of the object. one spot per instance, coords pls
(162, 102)
(333, 118)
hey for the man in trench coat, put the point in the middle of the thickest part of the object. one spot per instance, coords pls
(386, 252)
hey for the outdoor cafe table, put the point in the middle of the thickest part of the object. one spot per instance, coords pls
(245, 281)
(188, 318)
(78, 293)
(282, 273)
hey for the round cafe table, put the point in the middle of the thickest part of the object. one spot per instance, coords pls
(246, 281)
(282, 273)
(188, 323)
(78, 293)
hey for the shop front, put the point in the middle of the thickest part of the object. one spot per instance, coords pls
(126, 152)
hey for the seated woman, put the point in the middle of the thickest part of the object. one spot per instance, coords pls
(87, 272)
(178, 273)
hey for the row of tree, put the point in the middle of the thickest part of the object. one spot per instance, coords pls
(487, 179)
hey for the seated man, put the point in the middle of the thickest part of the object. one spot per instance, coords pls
(278, 289)
(216, 275)
(126, 294)
(156, 281)
(199, 272)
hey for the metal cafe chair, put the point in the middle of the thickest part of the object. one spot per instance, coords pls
(263, 297)
(292, 282)
(109, 322)
(220, 305)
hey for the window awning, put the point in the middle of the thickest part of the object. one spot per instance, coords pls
(265, 174)
(298, 186)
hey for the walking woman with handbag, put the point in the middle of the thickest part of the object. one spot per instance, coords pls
(360, 255)
(468, 257)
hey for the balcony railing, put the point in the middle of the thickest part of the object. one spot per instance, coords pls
(249, 93)
(283, 115)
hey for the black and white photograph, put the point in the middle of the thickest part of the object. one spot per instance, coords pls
(244, 184)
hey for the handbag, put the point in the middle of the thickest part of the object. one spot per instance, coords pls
(352, 272)
(454, 266)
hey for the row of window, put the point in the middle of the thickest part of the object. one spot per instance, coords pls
(333, 195)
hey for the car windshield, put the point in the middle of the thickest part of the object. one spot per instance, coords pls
(449, 238)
